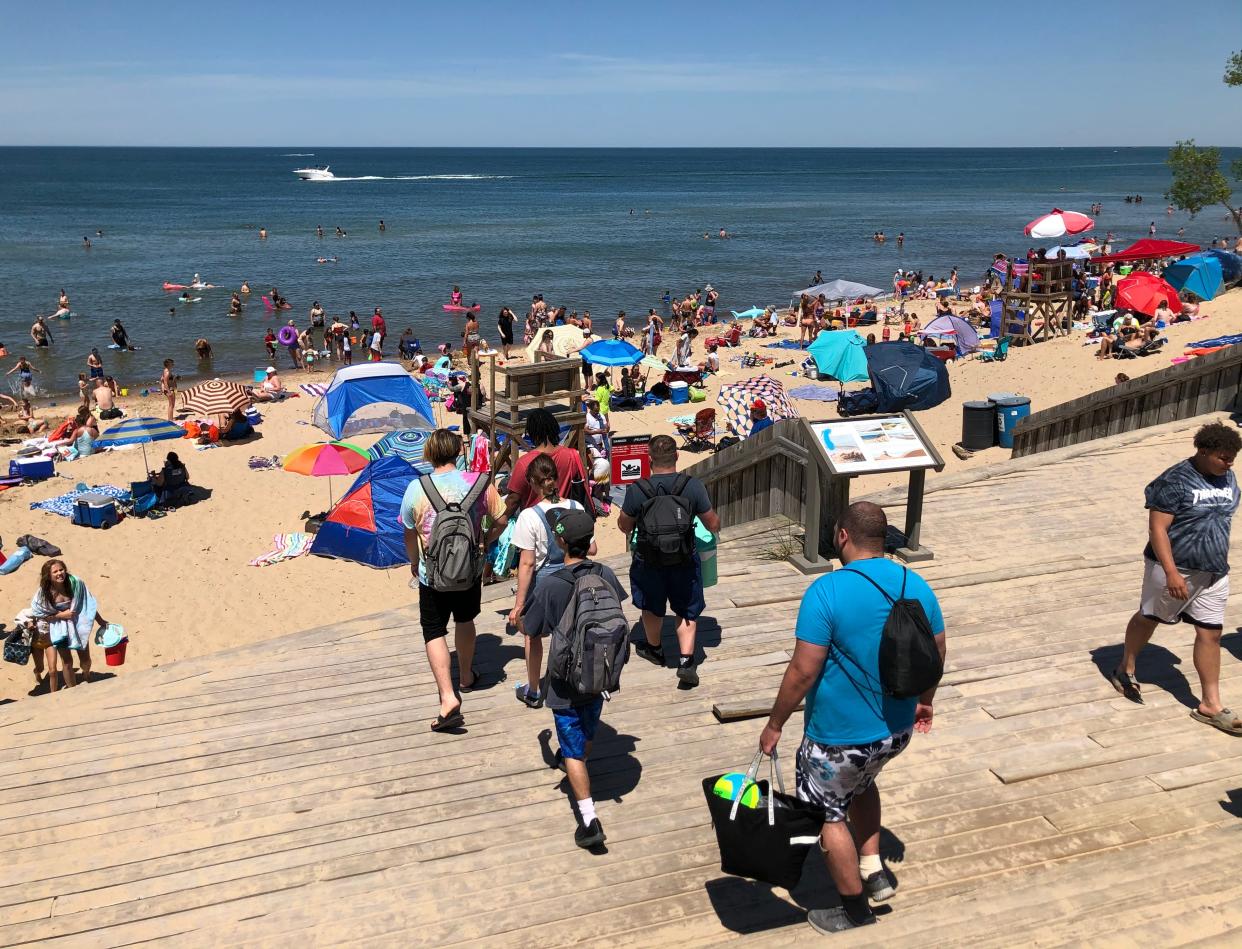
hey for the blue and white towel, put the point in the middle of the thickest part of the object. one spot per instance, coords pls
(63, 505)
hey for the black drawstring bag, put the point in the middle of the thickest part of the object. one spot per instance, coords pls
(768, 843)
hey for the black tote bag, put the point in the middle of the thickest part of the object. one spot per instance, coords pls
(769, 842)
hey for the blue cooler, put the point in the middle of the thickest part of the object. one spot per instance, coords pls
(1010, 411)
(36, 468)
(679, 393)
(95, 510)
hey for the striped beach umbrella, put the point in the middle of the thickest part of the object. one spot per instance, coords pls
(1058, 223)
(407, 443)
(139, 431)
(738, 397)
(215, 397)
(325, 459)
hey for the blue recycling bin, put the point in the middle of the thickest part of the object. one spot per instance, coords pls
(1010, 411)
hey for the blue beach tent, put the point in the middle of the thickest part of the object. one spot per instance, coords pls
(365, 525)
(906, 376)
(840, 354)
(1199, 274)
(1230, 264)
(372, 397)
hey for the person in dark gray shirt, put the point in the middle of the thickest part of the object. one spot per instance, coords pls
(1186, 566)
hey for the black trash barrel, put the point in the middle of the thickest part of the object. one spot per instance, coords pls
(978, 425)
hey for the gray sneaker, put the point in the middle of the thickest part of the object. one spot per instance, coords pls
(879, 887)
(835, 920)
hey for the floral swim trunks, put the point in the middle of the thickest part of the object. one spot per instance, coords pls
(830, 776)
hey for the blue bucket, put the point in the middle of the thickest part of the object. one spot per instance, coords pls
(679, 393)
(260, 376)
(1009, 412)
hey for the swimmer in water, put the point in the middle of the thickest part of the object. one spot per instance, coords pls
(235, 305)
(99, 233)
(64, 299)
(455, 296)
(339, 232)
(723, 234)
(325, 260)
(203, 348)
(40, 334)
(86, 243)
(263, 233)
(319, 230)
(382, 226)
(245, 287)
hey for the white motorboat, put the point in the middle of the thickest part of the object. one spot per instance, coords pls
(314, 174)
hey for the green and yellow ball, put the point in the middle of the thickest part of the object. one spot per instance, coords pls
(728, 786)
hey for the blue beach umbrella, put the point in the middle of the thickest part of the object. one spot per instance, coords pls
(840, 354)
(611, 352)
(408, 444)
(139, 431)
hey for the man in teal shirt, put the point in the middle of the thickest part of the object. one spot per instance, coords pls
(851, 728)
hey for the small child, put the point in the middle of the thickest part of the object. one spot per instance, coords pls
(574, 714)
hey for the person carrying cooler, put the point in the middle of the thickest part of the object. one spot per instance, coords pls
(442, 514)
(579, 607)
(665, 570)
(862, 704)
(540, 556)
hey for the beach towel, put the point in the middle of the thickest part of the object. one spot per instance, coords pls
(784, 344)
(72, 633)
(63, 505)
(1218, 342)
(816, 393)
(314, 389)
(263, 463)
(284, 547)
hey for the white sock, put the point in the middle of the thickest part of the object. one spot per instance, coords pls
(869, 864)
(586, 810)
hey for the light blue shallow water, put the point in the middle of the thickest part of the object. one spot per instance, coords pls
(502, 223)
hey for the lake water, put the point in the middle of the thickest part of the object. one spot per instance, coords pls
(503, 224)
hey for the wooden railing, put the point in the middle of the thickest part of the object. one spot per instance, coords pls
(1204, 384)
(776, 472)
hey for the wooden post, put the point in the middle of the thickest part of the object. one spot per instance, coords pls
(809, 560)
(911, 552)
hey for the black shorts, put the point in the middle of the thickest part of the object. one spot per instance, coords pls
(436, 608)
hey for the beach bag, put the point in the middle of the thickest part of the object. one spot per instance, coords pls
(38, 546)
(454, 555)
(665, 524)
(697, 394)
(590, 644)
(17, 646)
(769, 842)
(910, 662)
(862, 402)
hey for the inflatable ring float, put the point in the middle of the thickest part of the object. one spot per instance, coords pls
(287, 336)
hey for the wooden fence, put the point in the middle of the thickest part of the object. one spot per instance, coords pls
(761, 476)
(1204, 384)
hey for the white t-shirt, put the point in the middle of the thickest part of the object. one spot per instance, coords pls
(595, 428)
(530, 532)
(377, 341)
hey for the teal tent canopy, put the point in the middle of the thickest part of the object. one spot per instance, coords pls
(1199, 274)
(840, 354)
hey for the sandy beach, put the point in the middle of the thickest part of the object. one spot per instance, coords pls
(182, 587)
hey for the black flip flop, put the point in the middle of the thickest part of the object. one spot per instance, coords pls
(476, 681)
(453, 719)
(1127, 685)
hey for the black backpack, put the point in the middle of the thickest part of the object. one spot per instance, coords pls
(665, 524)
(910, 662)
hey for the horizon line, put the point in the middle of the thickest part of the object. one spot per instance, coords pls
(645, 148)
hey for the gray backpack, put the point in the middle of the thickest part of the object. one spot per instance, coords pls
(590, 645)
(453, 555)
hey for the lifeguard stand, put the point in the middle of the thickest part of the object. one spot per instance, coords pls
(1039, 304)
(550, 383)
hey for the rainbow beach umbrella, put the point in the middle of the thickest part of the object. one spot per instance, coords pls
(325, 459)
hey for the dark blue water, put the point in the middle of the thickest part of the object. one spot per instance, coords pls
(524, 221)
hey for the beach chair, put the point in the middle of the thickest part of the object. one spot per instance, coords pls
(999, 353)
(1146, 349)
(701, 434)
(144, 498)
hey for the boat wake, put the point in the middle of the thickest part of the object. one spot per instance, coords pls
(298, 155)
(419, 178)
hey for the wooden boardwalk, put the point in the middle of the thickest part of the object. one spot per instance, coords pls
(290, 793)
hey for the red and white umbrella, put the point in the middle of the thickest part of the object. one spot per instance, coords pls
(1058, 224)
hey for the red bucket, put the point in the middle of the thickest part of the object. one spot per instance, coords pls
(115, 655)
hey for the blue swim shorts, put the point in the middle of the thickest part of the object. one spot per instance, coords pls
(575, 726)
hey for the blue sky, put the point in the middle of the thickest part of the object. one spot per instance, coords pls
(614, 74)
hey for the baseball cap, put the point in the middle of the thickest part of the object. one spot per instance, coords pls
(573, 526)
(759, 404)
(271, 369)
